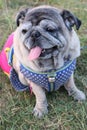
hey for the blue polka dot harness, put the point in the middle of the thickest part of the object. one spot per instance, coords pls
(51, 80)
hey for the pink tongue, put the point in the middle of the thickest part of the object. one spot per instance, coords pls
(35, 53)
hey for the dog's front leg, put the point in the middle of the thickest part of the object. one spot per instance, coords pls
(73, 90)
(41, 101)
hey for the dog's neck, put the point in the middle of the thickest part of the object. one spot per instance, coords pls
(37, 63)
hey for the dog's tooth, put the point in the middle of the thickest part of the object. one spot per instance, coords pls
(43, 50)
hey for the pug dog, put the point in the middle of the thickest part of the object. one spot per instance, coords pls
(44, 42)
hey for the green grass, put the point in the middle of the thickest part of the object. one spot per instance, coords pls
(16, 107)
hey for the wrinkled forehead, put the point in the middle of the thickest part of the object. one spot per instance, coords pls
(37, 14)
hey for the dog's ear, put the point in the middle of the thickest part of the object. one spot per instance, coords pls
(70, 20)
(20, 16)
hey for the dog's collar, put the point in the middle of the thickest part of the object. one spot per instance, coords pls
(50, 78)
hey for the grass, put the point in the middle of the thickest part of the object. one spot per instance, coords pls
(16, 107)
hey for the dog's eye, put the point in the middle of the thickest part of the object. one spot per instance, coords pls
(50, 30)
(24, 31)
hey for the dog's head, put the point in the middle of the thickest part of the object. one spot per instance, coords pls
(44, 37)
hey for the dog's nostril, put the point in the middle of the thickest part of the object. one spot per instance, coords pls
(35, 34)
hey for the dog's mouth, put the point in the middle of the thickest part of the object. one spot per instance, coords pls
(38, 52)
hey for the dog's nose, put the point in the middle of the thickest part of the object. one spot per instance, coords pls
(35, 34)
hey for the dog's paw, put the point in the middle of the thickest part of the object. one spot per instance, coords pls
(78, 95)
(38, 112)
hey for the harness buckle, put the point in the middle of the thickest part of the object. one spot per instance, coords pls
(51, 79)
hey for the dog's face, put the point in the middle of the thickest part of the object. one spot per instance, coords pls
(43, 37)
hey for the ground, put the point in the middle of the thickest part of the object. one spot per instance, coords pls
(16, 107)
